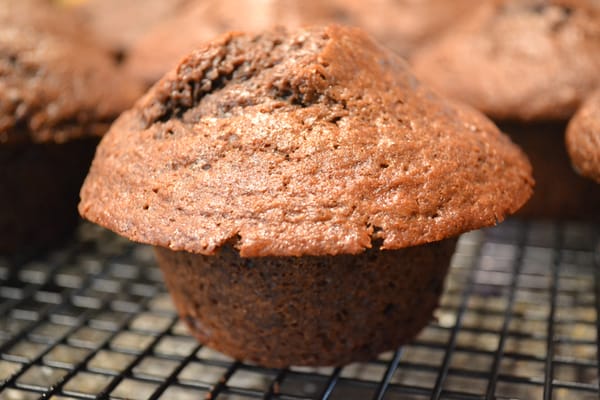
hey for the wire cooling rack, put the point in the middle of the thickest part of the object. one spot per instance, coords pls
(518, 320)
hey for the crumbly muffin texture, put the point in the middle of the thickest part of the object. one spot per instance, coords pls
(518, 59)
(583, 138)
(317, 142)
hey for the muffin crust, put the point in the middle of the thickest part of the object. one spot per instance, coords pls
(314, 142)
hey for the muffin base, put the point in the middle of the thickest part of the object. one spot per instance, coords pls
(40, 185)
(281, 311)
(559, 192)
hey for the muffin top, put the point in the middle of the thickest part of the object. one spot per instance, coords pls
(399, 24)
(311, 142)
(583, 138)
(54, 86)
(518, 59)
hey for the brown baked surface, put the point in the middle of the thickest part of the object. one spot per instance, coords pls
(54, 86)
(281, 311)
(401, 25)
(518, 59)
(583, 139)
(306, 143)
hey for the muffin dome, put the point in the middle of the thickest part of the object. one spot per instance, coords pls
(311, 142)
(583, 138)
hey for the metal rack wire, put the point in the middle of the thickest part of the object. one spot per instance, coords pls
(519, 320)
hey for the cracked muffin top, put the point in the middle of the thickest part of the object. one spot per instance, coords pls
(54, 85)
(583, 138)
(311, 142)
(518, 59)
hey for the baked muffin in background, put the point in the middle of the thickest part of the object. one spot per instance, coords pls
(303, 191)
(528, 65)
(58, 95)
(525, 60)
(399, 24)
(583, 138)
(405, 25)
(119, 24)
(42, 14)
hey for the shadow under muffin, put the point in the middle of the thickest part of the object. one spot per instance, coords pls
(39, 185)
(559, 191)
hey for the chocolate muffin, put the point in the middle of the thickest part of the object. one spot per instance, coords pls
(303, 191)
(583, 138)
(399, 24)
(57, 96)
(528, 65)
